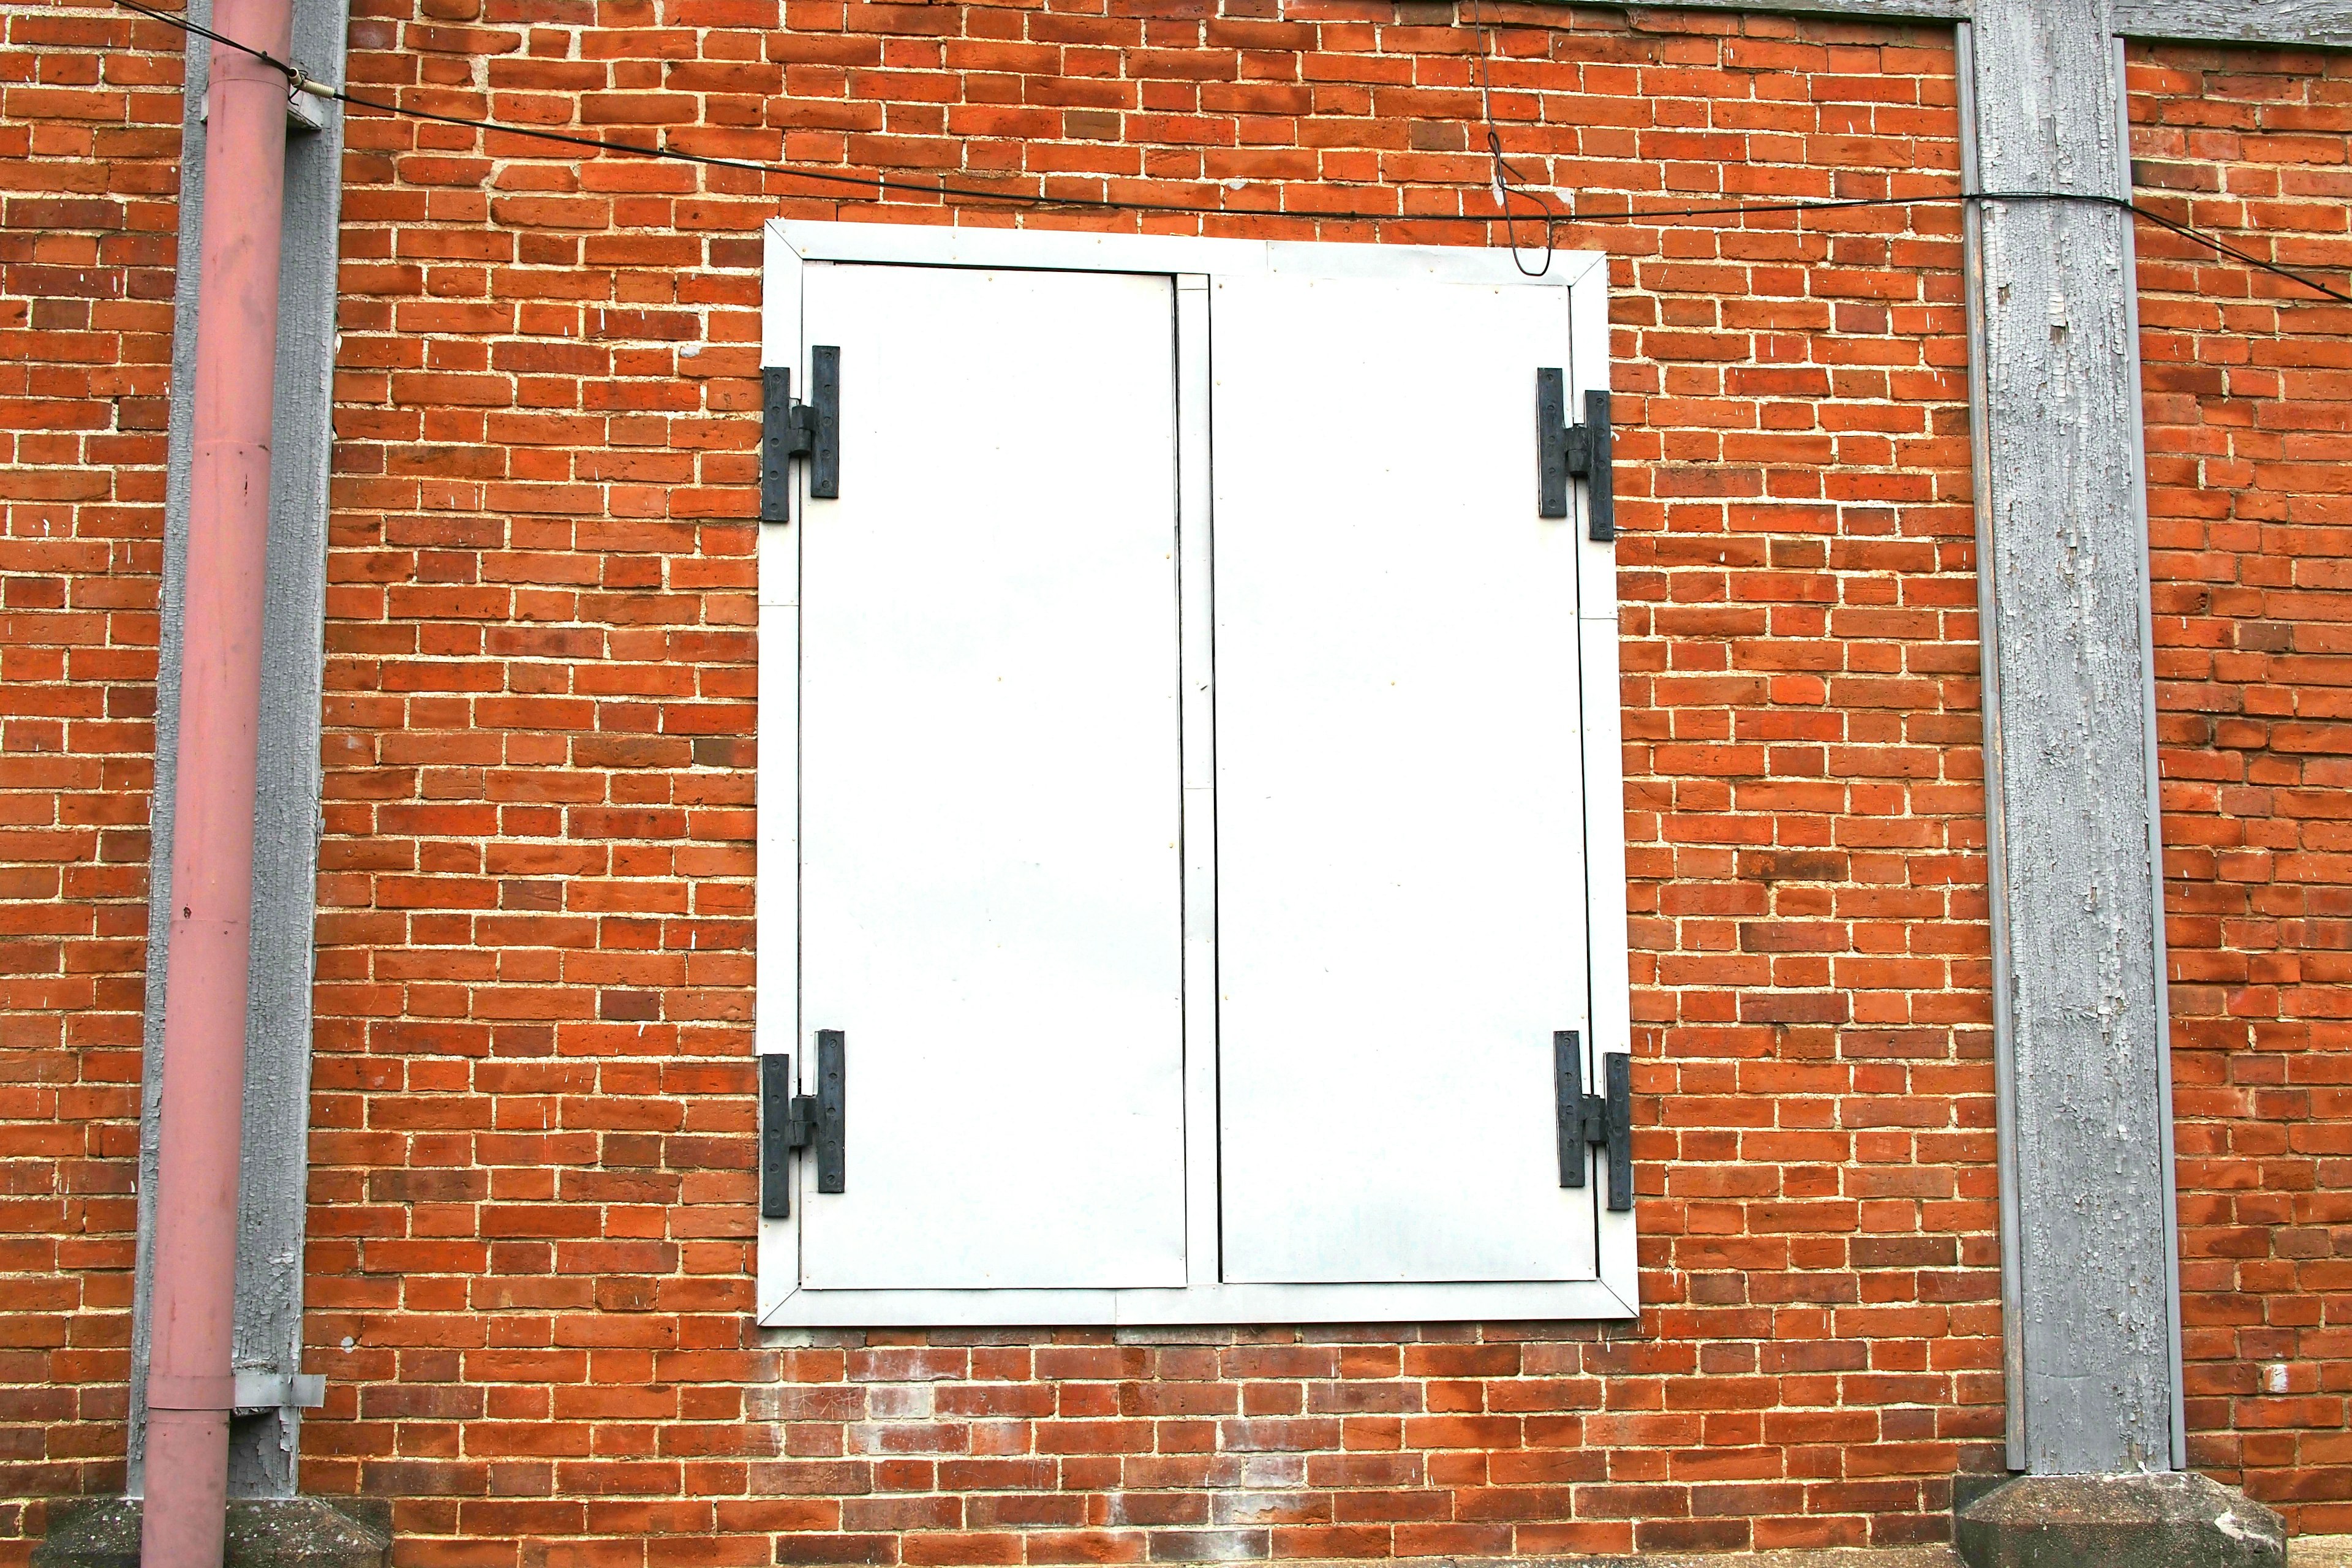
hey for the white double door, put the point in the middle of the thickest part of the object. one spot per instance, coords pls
(995, 680)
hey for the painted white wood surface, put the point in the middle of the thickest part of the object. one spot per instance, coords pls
(776, 792)
(990, 783)
(1557, 1300)
(1400, 824)
(1199, 673)
(944, 245)
(1604, 776)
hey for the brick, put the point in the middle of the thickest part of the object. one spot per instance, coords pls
(531, 1153)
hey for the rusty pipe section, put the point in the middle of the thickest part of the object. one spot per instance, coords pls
(190, 1386)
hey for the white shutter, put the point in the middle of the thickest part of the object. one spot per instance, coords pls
(1399, 807)
(1189, 782)
(991, 905)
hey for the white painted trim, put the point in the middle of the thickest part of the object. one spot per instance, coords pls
(1604, 771)
(1195, 263)
(776, 792)
(1577, 268)
(779, 316)
(938, 244)
(1575, 1300)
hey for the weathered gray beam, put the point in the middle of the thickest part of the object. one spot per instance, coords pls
(2293, 23)
(1865, 10)
(274, 1178)
(2290, 22)
(2082, 1040)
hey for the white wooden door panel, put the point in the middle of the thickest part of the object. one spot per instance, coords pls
(990, 791)
(1401, 920)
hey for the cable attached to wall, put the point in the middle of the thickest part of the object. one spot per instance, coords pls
(1505, 183)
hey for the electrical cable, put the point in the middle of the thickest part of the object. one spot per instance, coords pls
(1503, 175)
(1504, 182)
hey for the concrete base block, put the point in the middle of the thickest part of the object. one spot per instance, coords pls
(1935, 1556)
(2168, 1521)
(263, 1532)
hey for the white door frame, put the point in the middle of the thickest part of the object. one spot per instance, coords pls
(1193, 263)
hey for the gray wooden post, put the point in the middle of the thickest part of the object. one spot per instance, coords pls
(2068, 705)
(2082, 1027)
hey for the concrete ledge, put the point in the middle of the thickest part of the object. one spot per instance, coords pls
(355, 1532)
(2176, 1520)
(263, 1532)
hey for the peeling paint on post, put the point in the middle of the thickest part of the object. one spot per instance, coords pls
(2294, 22)
(2298, 24)
(2088, 1257)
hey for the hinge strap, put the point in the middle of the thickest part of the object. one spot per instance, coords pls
(789, 1122)
(789, 429)
(1566, 451)
(777, 447)
(1604, 1121)
(775, 1137)
(832, 1112)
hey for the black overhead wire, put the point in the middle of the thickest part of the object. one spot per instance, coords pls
(1505, 183)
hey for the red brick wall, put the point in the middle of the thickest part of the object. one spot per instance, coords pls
(533, 1155)
(2248, 383)
(88, 185)
(532, 1151)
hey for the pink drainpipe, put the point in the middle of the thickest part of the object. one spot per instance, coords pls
(189, 1384)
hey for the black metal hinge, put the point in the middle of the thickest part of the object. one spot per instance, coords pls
(810, 430)
(1565, 451)
(1587, 1120)
(789, 1122)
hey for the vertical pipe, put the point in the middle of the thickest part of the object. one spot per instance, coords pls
(190, 1386)
(2127, 191)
